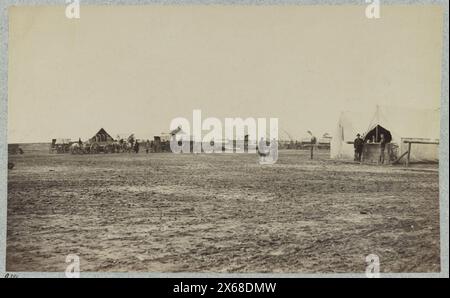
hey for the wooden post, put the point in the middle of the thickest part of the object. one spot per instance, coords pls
(388, 153)
(409, 154)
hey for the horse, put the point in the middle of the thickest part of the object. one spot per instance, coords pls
(76, 148)
(116, 147)
(127, 147)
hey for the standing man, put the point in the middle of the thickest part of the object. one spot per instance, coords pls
(358, 144)
(147, 146)
(136, 146)
(313, 143)
(131, 141)
(80, 145)
(382, 147)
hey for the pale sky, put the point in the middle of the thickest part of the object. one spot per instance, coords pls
(135, 68)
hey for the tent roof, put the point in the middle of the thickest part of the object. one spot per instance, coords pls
(103, 132)
(402, 122)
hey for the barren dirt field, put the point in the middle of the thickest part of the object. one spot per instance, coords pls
(219, 213)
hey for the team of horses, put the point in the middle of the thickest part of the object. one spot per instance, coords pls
(113, 147)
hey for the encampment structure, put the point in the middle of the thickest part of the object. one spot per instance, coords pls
(102, 142)
(101, 136)
(413, 133)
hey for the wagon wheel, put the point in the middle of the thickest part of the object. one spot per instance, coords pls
(94, 148)
(107, 149)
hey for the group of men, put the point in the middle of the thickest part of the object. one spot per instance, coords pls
(358, 144)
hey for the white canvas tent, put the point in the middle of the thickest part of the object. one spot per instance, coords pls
(403, 123)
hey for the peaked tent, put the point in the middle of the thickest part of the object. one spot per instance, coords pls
(101, 136)
(375, 134)
(400, 122)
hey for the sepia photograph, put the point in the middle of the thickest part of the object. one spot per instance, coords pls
(228, 139)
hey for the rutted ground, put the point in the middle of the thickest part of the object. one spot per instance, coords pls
(219, 213)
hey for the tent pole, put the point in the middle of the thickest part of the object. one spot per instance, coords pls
(378, 123)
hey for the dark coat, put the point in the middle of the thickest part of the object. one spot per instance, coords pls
(358, 144)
